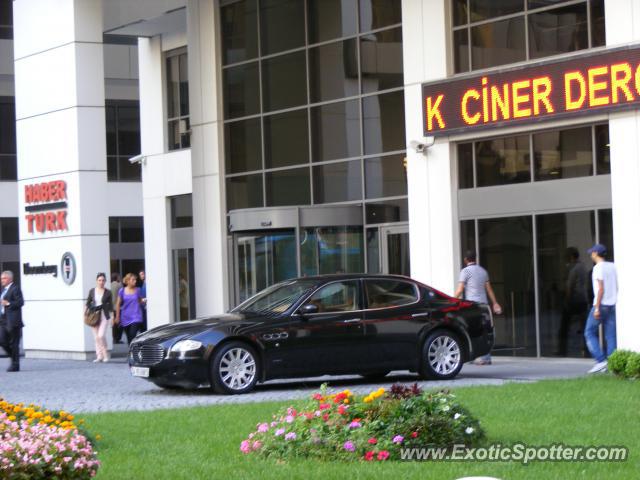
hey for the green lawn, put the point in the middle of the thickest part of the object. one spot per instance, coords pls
(204, 442)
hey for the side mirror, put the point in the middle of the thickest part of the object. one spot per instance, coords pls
(308, 309)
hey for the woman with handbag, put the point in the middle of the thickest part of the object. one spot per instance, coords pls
(129, 307)
(98, 308)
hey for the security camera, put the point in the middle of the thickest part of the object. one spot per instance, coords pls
(420, 146)
(142, 159)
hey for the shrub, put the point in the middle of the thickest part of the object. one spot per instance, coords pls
(617, 361)
(39, 444)
(374, 428)
(632, 369)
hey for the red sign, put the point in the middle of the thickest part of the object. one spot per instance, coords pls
(48, 197)
(586, 84)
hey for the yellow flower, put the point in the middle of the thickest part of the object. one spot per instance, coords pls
(12, 417)
(98, 437)
(70, 417)
(346, 400)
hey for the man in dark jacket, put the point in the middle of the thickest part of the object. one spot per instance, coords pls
(11, 303)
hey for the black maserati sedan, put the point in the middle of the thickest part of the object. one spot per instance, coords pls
(332, 324)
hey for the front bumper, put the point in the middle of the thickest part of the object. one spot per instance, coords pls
(177, 372)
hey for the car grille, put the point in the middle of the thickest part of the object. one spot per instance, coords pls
(146, 354)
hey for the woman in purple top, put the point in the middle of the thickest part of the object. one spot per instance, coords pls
(129, 307)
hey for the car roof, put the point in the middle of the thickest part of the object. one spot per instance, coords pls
(331, 277)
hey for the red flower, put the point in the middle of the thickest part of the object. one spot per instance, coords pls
(324, 406)
(317, 396)
(309, 416)
(369, 455)
(383, 455)
(414, 434)
(342, 410)
(373, 440)
(325, 417)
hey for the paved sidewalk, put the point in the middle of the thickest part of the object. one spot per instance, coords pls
(78, 386)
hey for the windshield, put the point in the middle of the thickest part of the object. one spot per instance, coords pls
(277, 298)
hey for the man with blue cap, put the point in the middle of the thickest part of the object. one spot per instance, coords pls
(605, 290)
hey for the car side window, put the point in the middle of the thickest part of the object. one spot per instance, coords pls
(336, 297)
(390, 293)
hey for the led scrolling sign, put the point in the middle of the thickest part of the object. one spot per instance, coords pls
(577, 86)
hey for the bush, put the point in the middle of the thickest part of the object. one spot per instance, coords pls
(344, 427)
(39, 444)
(617, 361)
(632, 369)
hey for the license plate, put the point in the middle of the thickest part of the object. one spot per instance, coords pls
(140, 372)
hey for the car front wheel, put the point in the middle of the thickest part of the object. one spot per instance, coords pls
(441, 356)
(234, 368)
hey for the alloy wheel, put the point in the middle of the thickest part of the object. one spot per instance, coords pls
(237, 368)
(444, 355)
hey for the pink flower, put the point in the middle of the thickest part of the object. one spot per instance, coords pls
(372, 441)
(342, 409)
(349, 446)
(369, 455)
(324, 406)
(290, 436)
(317, 396)
(279, 432)
(383, 455)
(263, 427)
(244, 446)
(414, 434)
(355, 424)
(257, 445)
(398, 439)
(289, 419)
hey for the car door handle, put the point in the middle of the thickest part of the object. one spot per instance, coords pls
(352, 320)
(423, 314)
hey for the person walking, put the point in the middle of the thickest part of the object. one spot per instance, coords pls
(100, 298)
(575, 302)
(474, 284)
(142, 285)
(116, 285)
(605, 289)
(129, 307)
(11, 302)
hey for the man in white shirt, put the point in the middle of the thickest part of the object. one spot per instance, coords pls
(605, 290)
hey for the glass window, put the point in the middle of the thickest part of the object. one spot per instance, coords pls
(498, 43)
(326, 250)
(486, 9)
(8, 231)
(379, 13)
(241, 90)
(387, 212)
(288, 187)
(389, 293)
(7, 125)
(286, 139)
(603, 153)
(243, 144)
(461, 50)
(563, 279)
(558, 31)
(114, 230)
(179, 134)
(460, 12)
(467, 237)
(281, 25)
(465, 165)
(123, 140)
(284, 81)
(605, 231)
(381, 60)
(503, 161)
(337, 182)
(335, 131)
(6, 19)
(239, 26)
(563, 154)
(373, 250)
(332, 19)
(129, 130)
(177, 78)
(120, 169)
(181, 211)
(244, 192)
(336, 297)
(598, 38)
(385, 176)
(131, 229)
(111, 118)
(383, 117)
(333, 71)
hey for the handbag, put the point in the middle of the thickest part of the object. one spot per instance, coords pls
(92, 316)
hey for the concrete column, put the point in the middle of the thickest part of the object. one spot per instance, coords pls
(432, 212)
(58, 59)
(622, 19)
(207, 154)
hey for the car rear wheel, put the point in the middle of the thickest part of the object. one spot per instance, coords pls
(234, 368)
(441, 356)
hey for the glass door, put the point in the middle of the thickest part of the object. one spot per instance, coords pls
(262, 259)
(395, 250)
(184, 284)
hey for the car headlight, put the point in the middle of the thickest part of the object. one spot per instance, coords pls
(185, 346)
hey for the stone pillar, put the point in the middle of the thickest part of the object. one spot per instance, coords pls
(58, 59)
(433, 216)
(623, 27)
(207, 155)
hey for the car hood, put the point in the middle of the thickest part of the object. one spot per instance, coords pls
(229, 322)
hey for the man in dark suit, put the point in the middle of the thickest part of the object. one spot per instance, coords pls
(11, 303)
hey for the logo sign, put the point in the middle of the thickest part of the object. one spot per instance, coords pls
(43, 269)
(46, 206)
(587, 84)
(68, 268)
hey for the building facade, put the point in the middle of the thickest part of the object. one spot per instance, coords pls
(284, 138)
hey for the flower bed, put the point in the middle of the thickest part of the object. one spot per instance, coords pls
(372, 428)
(38, 444)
